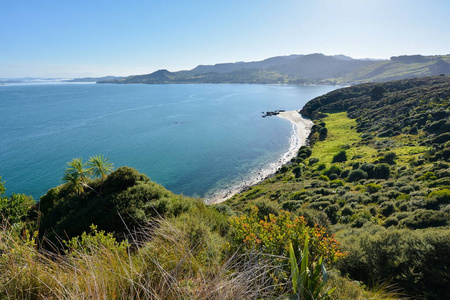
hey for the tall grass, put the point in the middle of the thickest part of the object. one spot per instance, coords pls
(163, 264)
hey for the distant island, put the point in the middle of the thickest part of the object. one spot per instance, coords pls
(94, 79)
(299, 69)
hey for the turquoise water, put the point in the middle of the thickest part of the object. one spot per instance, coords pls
(192, 139)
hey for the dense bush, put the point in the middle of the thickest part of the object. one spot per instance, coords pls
(273, 234)
(356, 175)
(129, 199)
(341, 156)
(15, 209)
(425, 218)
(415, 260)
(373, 188)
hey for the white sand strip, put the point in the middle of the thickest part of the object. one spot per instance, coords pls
(301, 128)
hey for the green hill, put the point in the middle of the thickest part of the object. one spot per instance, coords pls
(377, 174)
(399, 67)
(302, 69)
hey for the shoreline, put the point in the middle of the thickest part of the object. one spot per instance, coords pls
(301, 128)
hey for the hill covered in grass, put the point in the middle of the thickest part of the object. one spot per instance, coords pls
(398, 67)
(302, 69)
(377, 174)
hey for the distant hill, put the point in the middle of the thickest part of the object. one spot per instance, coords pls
(399, 67)
(320, 66)
(94, 79)
(299, 69)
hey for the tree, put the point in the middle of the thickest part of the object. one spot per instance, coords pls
(99, 166)
(77, 175)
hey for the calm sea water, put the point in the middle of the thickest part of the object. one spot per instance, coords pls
(192, 139)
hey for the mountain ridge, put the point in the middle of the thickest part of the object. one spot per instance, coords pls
(315, 68)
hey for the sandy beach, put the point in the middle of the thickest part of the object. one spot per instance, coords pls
(301, 127)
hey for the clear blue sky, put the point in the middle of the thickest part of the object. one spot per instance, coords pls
(95, 38)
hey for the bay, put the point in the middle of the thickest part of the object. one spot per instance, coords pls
(192, 139)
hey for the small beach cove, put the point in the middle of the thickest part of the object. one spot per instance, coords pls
(301, 128)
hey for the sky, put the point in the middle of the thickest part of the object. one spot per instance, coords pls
(67, 39)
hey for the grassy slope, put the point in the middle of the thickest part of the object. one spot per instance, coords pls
(342, 134)
(390, 70)
(400, 212)
(364, 141)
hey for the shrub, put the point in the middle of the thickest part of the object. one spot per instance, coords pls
(359, 222)
(291, 205)
(356, 175)
(324, 178)
(304, 151)
(428, 176)
(333, 176)
(391, 221)
(387, 208)
(415, 260)
(407, 189)
(333, 170)
(344, 174)
(314, 217)
(129, 199)
(442, 196)
(283, 169)
(266, 208)
(319, 204)
(321, 167)
(313, 160)
(424, 219)
(413, 130)
(369, 169)
(297, 171)
(323, 132)
(14, 209)
(341, 156)
(373, 188)
(389, 158)
(272, 235)
(442, 138)
(347, 211)
(92, 241)
(336, 183)
(332, 213)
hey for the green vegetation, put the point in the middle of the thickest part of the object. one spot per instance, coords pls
(399, 67)
(301, 69)
(15, 209)
(392, 184)
(123, 236)
(363, 212)
(307, 281)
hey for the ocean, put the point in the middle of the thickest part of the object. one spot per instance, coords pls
(192, 139)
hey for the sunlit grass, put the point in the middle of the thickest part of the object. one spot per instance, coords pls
(342, 135)
(165, 265)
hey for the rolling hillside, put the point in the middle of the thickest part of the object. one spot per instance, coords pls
(302, 69)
